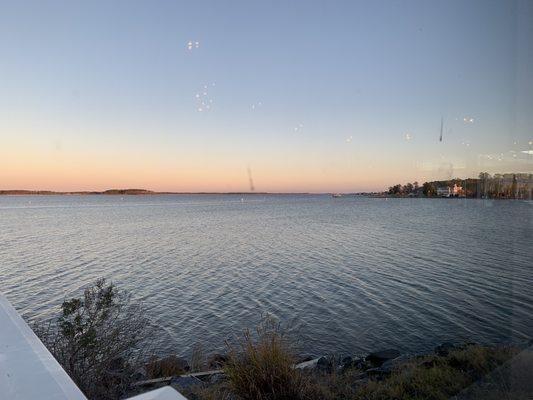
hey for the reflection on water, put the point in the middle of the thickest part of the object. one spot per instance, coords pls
(352, 274)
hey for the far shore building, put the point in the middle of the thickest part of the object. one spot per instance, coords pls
(444, 191)
(448, 191)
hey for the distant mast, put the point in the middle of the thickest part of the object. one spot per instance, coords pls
(441, 126)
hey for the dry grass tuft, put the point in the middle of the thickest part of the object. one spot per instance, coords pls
(262, 368)
(160, 368)
(198, 358)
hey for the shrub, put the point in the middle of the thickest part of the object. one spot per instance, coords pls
(95, 339)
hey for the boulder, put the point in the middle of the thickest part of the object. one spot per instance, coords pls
(346, 363)
(185, 382)
(349, 362)
(311, 364)
(377, 372)
(216, 378)
(305, 358)
(379, 357)
(390, 365)
(324, 364)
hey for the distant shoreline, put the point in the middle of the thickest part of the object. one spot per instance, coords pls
(131, 192)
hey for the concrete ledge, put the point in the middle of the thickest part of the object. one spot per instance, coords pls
(28, 371)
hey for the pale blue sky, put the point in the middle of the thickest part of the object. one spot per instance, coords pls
(368, 80)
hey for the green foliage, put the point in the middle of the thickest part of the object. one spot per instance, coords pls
(429, 189)
(434, 377)
(95, 339)
(405, 190)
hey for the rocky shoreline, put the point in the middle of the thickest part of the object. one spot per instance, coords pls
(374, 366)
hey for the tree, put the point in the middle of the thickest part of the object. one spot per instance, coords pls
(407, 188)
(428, 188)
(396, 189)
(96, 338)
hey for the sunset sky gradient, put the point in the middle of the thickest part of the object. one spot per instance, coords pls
(318, 96)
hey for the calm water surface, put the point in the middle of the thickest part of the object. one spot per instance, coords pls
(351, 274)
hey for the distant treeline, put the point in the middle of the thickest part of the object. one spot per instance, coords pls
(497, 186)
(49, 192)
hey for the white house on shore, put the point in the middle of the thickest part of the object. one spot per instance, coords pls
(28, 371)
(448, 191)
(444, 191)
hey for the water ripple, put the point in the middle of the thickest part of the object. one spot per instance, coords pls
(351, 274)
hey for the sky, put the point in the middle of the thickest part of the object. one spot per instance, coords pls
(301, 96)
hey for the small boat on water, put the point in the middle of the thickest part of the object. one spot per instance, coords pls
(336, 195)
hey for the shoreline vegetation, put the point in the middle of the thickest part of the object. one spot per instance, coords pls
(100, 340)
(486, 186)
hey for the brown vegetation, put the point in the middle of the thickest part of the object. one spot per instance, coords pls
(429, 377)
(262, 367)
(164, 367)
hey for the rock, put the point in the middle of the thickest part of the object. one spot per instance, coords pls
(352, 362)
(139, 375)
(379, 357)
(346, 364)
(444, 349)
(324, 364)
(359, 363)
(217, 361)
(184, 382)
(305, 358)
(216, 378)
(347, 361)
(390, 365)
(377, 372)
(308, 364)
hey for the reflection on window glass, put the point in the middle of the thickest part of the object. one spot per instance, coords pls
(266, 200)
